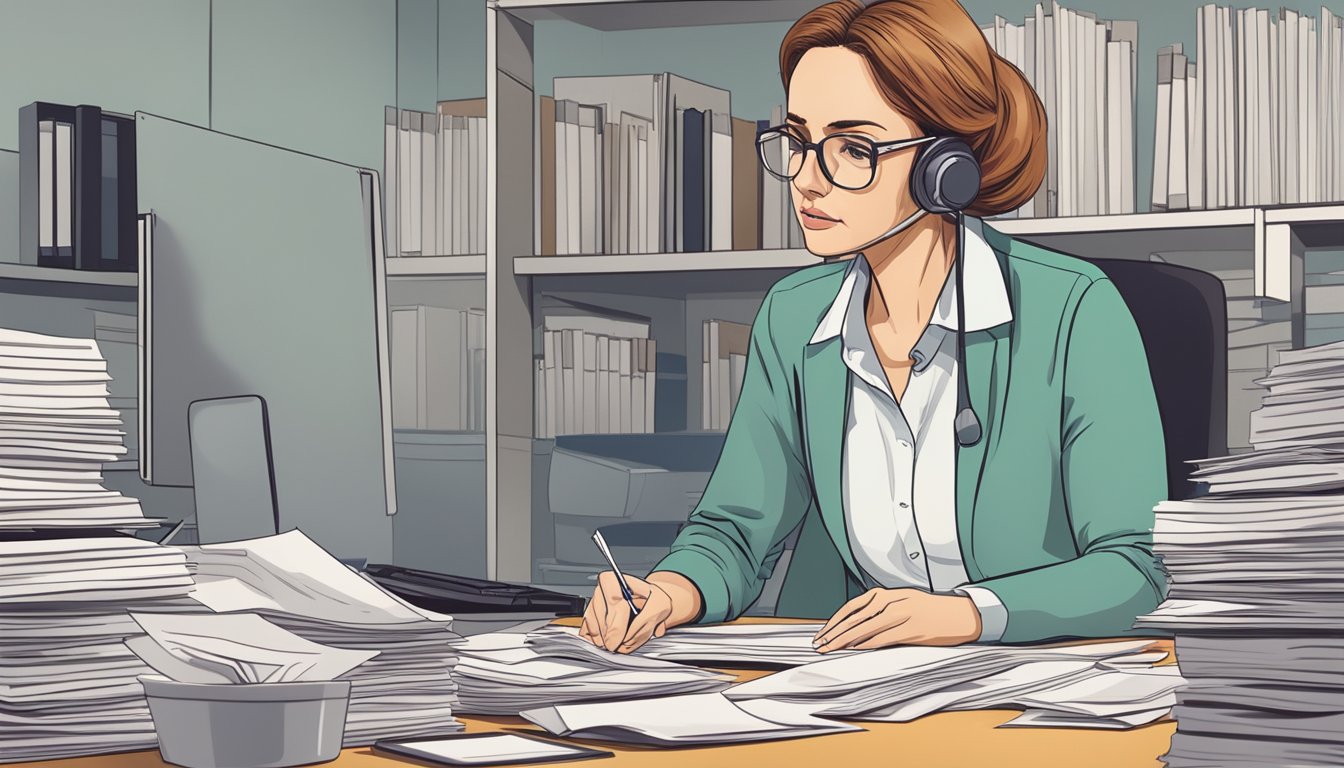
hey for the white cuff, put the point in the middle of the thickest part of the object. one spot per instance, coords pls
(993, 616)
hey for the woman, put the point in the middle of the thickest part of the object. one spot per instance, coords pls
(1022, 513)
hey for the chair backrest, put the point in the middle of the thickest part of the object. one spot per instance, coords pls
(1182, 316)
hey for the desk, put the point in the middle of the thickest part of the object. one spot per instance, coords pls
(951, 739)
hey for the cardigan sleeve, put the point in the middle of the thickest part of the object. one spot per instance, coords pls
(757, 493)
(1113, 467)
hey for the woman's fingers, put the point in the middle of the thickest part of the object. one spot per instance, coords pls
(878, 602)
(616, 618)
(657, 606)
(845, 612)
(882, 622)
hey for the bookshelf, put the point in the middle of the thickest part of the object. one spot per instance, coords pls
(28, 272)
(470, 265)
(1258, 251)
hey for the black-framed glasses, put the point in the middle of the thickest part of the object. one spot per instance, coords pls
(848, 160)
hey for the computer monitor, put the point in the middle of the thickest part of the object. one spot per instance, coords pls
(265, 278)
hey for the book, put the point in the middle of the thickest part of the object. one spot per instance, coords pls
(546, 223)
(721, 183)
(692, 164)
(77, 188)
(746, 189)
(391, 168)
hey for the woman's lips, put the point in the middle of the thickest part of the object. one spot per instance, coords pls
(815, 219)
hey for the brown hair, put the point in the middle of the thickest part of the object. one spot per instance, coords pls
(934, 66)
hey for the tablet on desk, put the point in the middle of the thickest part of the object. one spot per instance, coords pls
(486, 749)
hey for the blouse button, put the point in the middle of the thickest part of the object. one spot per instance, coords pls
(904, 505)
(914, 555)
(903, 443)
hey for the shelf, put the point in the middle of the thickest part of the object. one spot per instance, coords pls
(616, 15)
(470, 265)
(628, 263)
(1171, 220)
(54, 275)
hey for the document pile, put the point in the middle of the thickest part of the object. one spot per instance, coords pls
(1099, 685)
(706, 718)
(503, 673)
(235, 649)
(1090, 684)
(68, 684)
(1257, 582)
(56, 431)
(67, 578)
(406, 690)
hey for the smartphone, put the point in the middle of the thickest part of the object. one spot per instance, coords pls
(486, 749)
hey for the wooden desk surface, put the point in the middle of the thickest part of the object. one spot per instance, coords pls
(950, 739)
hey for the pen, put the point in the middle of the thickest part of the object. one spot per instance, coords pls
(620, 578)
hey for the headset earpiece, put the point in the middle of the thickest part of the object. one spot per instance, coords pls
(946, 176)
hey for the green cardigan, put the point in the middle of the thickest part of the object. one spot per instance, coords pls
(1054, 503)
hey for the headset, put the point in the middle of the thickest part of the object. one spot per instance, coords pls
(945, 180)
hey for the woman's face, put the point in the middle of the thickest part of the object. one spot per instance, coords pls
(834, 85)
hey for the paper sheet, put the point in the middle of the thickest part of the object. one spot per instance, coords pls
(235, 648)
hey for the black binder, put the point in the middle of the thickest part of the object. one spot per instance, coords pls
(450, 594)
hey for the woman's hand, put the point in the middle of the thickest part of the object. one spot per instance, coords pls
(883, 617)
(666, 600)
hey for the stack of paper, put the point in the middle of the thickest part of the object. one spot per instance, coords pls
(707, 718)
(56, 432)
(405, 691)
(1303, 405)
(505, 673)
(67, 682)
(1257, 587)
(902, 683)
(725, 645)
(235, 649)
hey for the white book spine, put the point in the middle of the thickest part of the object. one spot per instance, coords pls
(574, 177)
(1114, 114)
(1067, 121)
(1162, 138)
(650, 384)
(404, 199)
(561, 178)
(1313, 164)
(602, 384)
(551, 347)
(415, 190)
(587, 181)
(1097, 102)
(1177, 194)
(444, 185)
(1263, 110)
(478, 163)
(613, 403)
(1194, 176)
(721, 188)
(429, 159)
(716, 416)
(639, 350)
(589, 383)
(627, 384)
(1286, 34)
(391, 162)
(1128, 161)
(706, 420)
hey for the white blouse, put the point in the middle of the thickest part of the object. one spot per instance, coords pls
(899, 465)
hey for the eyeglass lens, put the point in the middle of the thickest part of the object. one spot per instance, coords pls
(848, 160)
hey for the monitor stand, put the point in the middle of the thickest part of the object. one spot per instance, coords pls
(232, 470)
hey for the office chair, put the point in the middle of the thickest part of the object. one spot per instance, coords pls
(1182, 317)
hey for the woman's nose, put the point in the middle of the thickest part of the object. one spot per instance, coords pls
(810, 177)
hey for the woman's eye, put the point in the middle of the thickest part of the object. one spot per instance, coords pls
(856, 151)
